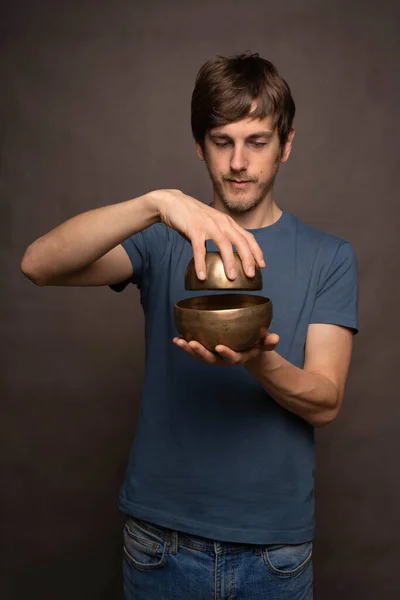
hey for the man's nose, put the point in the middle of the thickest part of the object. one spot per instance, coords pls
(238, 159)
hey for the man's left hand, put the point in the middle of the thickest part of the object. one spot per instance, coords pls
(224, 356)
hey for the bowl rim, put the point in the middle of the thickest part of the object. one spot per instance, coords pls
(266, 301)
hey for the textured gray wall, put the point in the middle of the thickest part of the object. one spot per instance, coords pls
(95, 109)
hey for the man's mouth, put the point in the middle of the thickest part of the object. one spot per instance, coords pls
(239, 183)
(238, 180)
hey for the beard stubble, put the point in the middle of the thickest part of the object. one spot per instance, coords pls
(241, 205)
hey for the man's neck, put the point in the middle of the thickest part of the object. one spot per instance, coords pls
(263, 215)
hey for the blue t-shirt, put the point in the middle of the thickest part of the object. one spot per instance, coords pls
(214, 455)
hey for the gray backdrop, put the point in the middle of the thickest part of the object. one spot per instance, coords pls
(95, 109)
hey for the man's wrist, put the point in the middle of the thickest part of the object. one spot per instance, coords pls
(266, 362)
(152, 201)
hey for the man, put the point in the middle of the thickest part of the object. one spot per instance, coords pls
(219, 490)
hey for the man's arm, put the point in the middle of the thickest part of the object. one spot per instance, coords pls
(86, 249)
(315, 392)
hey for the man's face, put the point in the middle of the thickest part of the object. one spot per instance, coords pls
(242, 159)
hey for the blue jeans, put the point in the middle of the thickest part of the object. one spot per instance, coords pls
(162, 564)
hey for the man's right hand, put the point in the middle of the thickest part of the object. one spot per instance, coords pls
(198, 222)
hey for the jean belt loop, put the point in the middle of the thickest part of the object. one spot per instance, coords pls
(174, 547)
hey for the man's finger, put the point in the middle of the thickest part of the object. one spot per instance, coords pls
(243, 249)
(202, 353)
(253, 244)
(225, 248)
(199, 256)
(181, 343)
(270, 341)
(228, 356)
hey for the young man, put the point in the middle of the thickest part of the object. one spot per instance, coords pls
(219, 490)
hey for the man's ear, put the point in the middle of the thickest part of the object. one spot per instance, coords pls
(288, 146)
(199, 151)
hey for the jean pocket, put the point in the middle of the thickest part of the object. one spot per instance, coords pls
(288, 560)
(143, 549)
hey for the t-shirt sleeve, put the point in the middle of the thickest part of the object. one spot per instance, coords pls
(143, 248)
(337, 296)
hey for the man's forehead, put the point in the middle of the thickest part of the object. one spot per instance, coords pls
(246, 127)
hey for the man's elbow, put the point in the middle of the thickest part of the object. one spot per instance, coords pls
(324, 417)
(34, 267)
(31, 273)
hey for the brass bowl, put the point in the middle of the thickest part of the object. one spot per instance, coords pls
(216, 278)
(233, 320)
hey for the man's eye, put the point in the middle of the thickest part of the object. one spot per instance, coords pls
(221, 144)
(259, 144)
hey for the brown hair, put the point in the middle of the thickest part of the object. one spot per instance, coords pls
(226, 87)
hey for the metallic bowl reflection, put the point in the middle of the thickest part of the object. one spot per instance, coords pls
(237, 321)
(216, 278)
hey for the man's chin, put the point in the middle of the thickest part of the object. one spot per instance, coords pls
(240, 205)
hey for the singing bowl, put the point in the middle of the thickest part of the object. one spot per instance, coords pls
(216, 278)
(234, 320)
